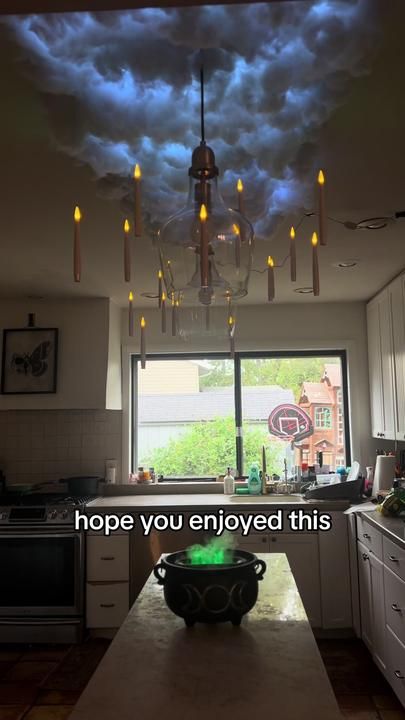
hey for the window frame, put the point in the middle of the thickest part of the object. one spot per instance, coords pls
(237, 385)
(322, 408)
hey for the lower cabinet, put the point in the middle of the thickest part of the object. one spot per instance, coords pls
(371, 577)
(107, 580)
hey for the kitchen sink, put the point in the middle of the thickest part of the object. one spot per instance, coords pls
(280, 499)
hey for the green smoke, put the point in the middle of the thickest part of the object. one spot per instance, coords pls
(218, 551)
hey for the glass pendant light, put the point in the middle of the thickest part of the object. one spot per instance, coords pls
(206, 249)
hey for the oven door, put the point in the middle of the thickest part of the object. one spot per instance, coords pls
(42, 573)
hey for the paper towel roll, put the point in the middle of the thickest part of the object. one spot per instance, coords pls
(384, 474)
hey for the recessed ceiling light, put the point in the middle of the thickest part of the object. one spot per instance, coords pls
(346, 264)
(304, 290)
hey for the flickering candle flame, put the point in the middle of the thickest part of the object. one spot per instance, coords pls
(270, 279)
(77, 260)
(204, 259)
(127, 253)
(137, 200)
(322, 208)
(160, 276)
(293, 256)
(131, 314)
(143, 343)
(315, 264)
(241, 199)
(163, 310)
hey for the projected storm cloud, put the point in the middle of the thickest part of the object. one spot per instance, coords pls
(122, 87)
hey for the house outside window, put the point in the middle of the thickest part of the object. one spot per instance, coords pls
(323, 418)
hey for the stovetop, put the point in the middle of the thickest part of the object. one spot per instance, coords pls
(40, 508)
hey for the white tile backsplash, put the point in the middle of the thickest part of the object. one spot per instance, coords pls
(45, 445)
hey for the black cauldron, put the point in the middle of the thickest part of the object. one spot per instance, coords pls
(210, 593)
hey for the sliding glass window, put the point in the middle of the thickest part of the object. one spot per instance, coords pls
(195, 415)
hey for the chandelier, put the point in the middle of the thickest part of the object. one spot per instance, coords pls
(205, 251)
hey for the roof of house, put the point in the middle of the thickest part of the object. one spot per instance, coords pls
(333, 373)
(257, 404)
(315, 392)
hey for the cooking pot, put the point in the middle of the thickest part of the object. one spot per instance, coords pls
(83, 484)
(210, 593)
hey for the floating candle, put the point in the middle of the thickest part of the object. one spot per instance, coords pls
(143, 343)
(127, 253)
(77, 260)
(293, 257)
(204, 260)
(270, 279)
(131, 314)
(137, 200)
(322, 208)
(315, 264)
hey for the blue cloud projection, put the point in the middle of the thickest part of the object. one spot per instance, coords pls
(122, 87)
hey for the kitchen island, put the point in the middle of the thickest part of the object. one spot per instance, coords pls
(268, 667)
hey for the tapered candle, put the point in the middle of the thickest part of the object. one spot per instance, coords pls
(293, 256)
(160, 276)
(174, 316)
(236, 230)
(163, 311)
(127, 253)
(322, 208)
(270, 279)
(204, 261)
(131, 314)
(143, 343)
(207, 317)
(137, 199)
(264, 464)
(231, 326)
(315, 264)
(241, 199)
(77, 259)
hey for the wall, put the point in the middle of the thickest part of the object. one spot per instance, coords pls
(311, 325)
(45, 445)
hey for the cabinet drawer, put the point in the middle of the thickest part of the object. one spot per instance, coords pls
(107, 558)
(370, 537)
(394, 557)
(395, 603)
(396, 665)
(106, 605)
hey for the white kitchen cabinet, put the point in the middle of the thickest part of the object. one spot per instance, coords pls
(335, 563)
(365, 595)
(107, 580)
(381, 371)
(396, 665)
(378, 611)
(107, 605)
(396, 291)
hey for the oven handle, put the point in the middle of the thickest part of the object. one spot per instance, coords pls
(30, 534)
(42, 621)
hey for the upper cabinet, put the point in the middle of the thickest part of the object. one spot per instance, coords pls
(381, 366)
(386, 357)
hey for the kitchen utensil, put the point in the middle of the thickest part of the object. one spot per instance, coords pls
(210, 593)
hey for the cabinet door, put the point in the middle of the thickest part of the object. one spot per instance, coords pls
(397, 294)
(365, 595)
(375, 369)
(254, 543)
(387, 366)
(334, 562)
(378, 610)
(303, 556)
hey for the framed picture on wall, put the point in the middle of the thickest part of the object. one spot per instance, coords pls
(29, 361)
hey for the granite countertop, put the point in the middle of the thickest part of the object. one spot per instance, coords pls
(158, 668)
(186, 501)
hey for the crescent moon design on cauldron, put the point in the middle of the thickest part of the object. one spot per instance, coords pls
(192, 595)
(237, 592)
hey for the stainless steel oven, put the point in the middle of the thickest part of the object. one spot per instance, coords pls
(42, 576)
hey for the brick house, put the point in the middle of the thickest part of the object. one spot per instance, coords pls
(323, 402)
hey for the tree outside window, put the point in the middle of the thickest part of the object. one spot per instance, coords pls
(323, 418)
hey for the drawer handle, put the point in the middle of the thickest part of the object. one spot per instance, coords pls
(107, 605)
(393, 558)
(365, 556)
(396, 608)
(108, 558)
(272, 540)
(368, 537)
(399, 675)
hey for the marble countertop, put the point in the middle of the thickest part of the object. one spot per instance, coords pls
(123, 503)
(158, 668)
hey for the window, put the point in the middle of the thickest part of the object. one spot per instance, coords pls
(323, 418)
(195, 415)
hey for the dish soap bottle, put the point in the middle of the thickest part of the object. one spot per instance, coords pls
(229, 483)
(254, 483)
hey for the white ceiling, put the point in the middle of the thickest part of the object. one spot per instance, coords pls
(362, 145)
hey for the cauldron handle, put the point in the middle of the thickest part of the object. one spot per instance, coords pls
(260, 569)
(160, 578)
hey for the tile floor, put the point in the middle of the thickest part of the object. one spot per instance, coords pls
(44, 682)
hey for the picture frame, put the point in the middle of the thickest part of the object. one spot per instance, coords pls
(29, 361)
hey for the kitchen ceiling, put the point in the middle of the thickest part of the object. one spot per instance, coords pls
(361, 145)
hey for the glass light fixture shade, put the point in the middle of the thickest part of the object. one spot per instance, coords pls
(229, 237)
(199, 323)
